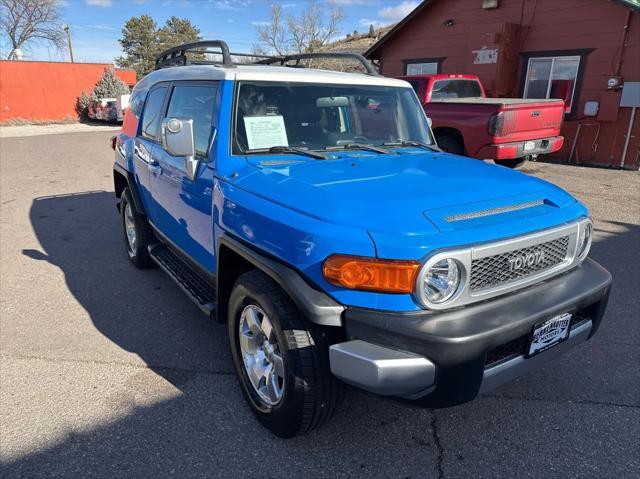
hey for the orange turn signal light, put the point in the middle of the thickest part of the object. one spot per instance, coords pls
(372, 274)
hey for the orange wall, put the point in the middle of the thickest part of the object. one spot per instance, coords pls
(48, 90)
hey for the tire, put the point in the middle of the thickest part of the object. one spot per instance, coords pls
(309, 393)
(137, 249)
(512, 162)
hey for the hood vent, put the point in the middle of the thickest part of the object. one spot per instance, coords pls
(493, 211)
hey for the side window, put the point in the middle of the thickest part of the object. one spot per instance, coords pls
(152, 112)
(195, 102)
(135, 104)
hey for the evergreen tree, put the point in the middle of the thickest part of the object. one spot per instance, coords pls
(109, 86)
(372, 31)
(82, 105)
(177, 31)
(142, 40)
(140, 45)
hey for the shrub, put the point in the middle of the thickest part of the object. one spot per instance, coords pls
(108, 86)
(82, 105)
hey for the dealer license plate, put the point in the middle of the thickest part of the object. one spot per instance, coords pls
(529, 145)
(549, 333)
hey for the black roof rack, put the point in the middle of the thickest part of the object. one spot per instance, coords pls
(177, 56)
(331, 55)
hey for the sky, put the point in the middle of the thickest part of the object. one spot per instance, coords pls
(96, 25)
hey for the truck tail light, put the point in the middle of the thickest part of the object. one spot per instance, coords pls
(372, 274)
(496, 124)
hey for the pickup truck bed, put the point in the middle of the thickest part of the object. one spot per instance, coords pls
(507, 130)
(505, 102)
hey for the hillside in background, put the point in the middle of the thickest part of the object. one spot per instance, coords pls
(356, 42)
(352, 43)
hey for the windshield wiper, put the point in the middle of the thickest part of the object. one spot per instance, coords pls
(357, 146)
(415, 144)
(288, 150)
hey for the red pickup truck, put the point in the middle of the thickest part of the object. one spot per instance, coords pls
(466, 122)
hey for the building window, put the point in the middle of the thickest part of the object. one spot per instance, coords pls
(552, 77)
(421, 68)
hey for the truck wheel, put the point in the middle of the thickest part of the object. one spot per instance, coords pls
(512, 162)
(451, 144)
(136, 232)
(282, 360)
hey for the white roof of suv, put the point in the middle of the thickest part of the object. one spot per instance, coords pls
(264, 73)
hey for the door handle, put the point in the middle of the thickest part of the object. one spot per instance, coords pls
(155, 169)
(141, 152)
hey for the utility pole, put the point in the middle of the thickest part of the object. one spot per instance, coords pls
(66, 29)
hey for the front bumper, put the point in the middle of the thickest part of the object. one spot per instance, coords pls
(446, 358)
(506, 151)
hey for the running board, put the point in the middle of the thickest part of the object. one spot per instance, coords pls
(198, 289)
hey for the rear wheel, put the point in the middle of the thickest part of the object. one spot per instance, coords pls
(451, 144)
(136, 232)
(512, 162)
(282, 360)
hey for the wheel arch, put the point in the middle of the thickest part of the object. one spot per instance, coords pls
(123, 179)
(235, 258)
(441, 131)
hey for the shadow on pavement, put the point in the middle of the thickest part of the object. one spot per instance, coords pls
(208, 431)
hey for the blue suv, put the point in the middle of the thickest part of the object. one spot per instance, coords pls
(312, 212)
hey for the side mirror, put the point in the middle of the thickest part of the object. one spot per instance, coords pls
(430, 121)
(178, 140)
(177, 137)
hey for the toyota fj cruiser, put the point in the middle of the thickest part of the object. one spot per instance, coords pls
(313, 213)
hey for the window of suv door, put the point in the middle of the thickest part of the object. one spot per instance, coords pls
(195, 102)
(152, 113)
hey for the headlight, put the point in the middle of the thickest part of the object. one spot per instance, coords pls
(584, 241)
(440, 281)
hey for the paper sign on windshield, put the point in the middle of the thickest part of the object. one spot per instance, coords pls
(265, 131)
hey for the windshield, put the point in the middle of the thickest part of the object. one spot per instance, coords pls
(443, 89)
(319, 117)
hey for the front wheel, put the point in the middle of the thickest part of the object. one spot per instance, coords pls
(281, 359)
(512, 162)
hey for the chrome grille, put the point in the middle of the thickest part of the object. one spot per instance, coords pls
(496, 270)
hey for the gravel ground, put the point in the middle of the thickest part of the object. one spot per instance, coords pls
(108, 371)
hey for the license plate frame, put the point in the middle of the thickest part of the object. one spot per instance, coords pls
(549, 333)
(529, 145)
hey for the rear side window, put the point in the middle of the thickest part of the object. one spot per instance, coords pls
(152, 113)
(135, 104)
(195, 102)
(443, 89)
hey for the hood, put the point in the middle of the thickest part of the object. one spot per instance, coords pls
(407, 193)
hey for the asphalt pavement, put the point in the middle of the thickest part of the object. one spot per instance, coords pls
(108, 371)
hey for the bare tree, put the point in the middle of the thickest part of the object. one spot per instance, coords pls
(273, 35)
(312, 29)
(22, 21)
